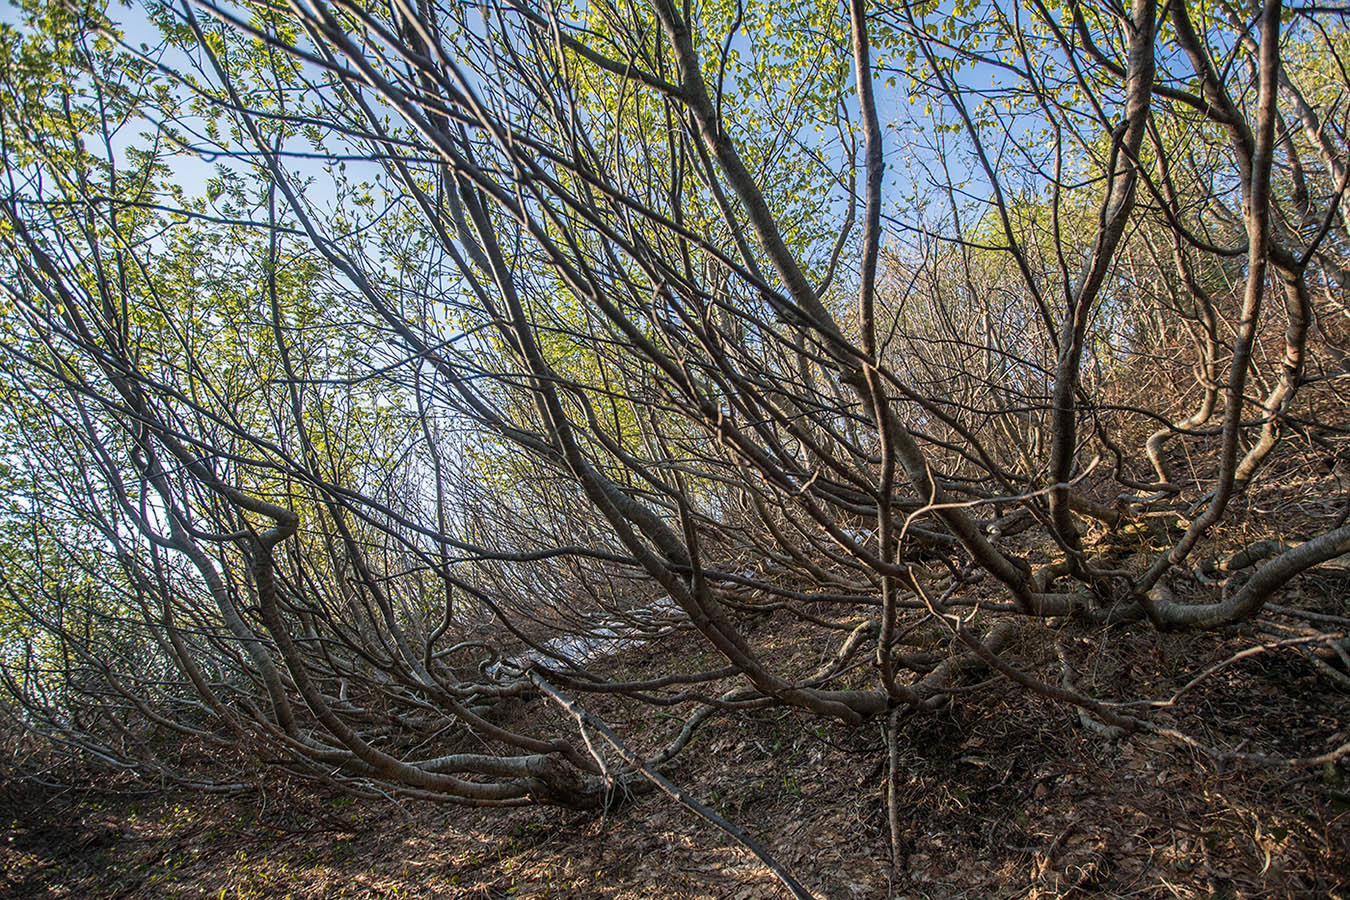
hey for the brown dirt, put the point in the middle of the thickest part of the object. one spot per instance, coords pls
(1003, 796)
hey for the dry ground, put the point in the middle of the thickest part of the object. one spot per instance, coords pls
(1004, 796)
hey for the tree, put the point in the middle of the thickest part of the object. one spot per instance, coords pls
(501, 331)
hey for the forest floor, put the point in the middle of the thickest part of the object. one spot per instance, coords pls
(1003, 796)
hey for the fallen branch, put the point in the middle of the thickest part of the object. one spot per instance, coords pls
(586, 720)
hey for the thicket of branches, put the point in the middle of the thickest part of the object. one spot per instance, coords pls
(365, 361)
